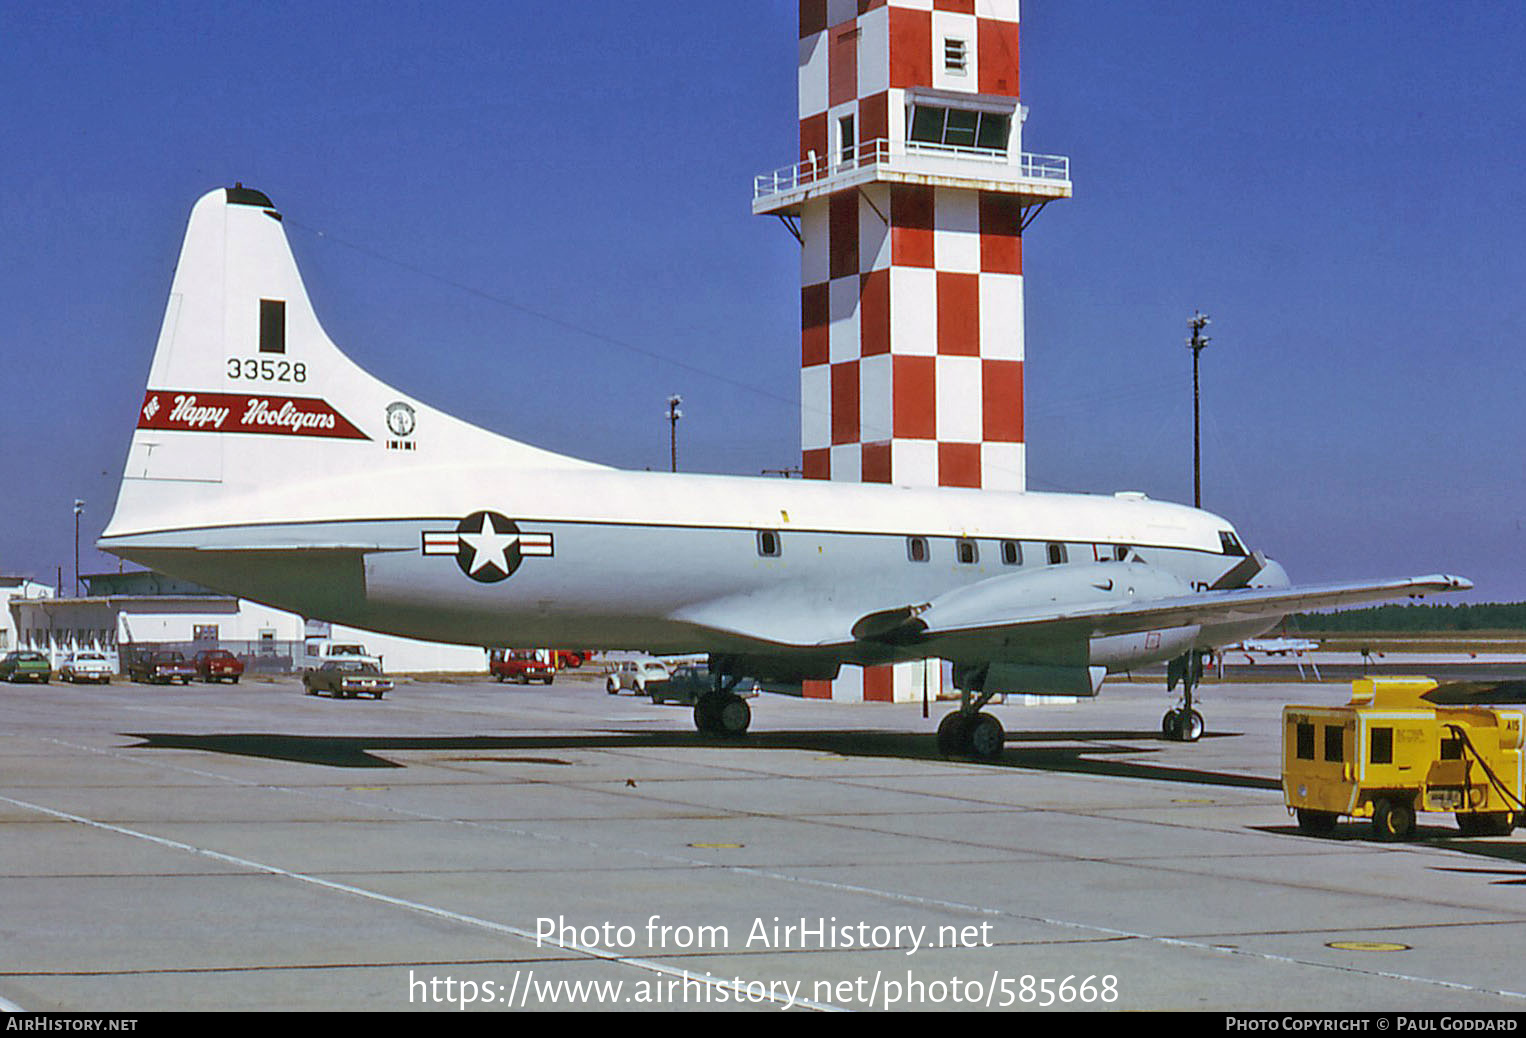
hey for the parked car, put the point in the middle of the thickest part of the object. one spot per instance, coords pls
(24, 665)
(80, 667)
(572, 658)
(692, 680)
(636, 675)
(163, 667)
(521, 665)
(218, 665)
(346, 679)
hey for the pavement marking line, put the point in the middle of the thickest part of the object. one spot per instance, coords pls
(886, 895)
(737, 987)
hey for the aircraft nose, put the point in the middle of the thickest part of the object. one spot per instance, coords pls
(1272, 575)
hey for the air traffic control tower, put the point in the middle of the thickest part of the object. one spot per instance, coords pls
(909, 201)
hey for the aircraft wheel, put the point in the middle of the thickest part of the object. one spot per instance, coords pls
(704, 715)
(1316, 823)
(1168, 724)
(986, 737)
(1392, 820)
(733, 716)
(1190, 729)
(953, 735)
(722, 714)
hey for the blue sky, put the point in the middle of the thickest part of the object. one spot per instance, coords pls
(537, 216)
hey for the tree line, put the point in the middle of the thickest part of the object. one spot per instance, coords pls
(1489, 616)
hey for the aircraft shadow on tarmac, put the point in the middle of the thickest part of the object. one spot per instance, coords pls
(363, 751)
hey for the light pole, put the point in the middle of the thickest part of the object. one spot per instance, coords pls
(79, 508)
(674, 414)
(1196, 344)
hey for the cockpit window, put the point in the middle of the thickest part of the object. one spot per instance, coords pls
(1231, 543)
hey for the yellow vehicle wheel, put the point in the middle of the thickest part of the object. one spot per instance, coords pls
(1393, 820)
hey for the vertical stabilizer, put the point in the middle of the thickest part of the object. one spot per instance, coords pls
(248, 397)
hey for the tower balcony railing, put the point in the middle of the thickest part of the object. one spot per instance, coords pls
(912, 158)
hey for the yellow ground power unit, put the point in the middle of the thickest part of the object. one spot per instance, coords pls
(1405, 745)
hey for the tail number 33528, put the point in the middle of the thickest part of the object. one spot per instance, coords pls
(250, 370)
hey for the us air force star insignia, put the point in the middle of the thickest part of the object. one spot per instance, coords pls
(488, 547)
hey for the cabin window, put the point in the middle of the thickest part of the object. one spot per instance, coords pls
(1057, 554)
(272, 326)
(967, 552)
(1382, 746)
(916, 549)
(768, 544)
(1011, 553)
(1305, 741)
(1335, 742)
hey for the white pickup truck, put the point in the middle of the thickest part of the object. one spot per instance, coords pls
(318, 651)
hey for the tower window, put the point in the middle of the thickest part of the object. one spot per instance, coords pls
(960, 128)
(845, 137)
(954, 58)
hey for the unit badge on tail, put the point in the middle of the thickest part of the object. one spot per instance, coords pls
(487, 546)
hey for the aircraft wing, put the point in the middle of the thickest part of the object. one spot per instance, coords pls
(950, 618)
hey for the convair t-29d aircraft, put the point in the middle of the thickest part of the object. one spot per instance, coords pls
(268, 465)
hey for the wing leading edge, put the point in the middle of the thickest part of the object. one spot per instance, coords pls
(944, 619)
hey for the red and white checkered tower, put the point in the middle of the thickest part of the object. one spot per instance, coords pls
(910, 199)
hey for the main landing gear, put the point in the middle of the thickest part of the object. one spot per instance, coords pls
(1183, 723)
(969, 731)
(721, 712)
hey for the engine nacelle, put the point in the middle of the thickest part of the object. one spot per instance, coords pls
(1125, 651)
(1030, 679)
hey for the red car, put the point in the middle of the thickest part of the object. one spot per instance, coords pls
(218, 665)
(520, 665)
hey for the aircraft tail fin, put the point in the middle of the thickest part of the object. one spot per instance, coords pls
(249, 400)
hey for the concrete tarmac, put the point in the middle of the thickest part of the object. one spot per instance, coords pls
(467, 844)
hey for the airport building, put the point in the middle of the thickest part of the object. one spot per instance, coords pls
(149, 609)
(14, 589)
(910, 199)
